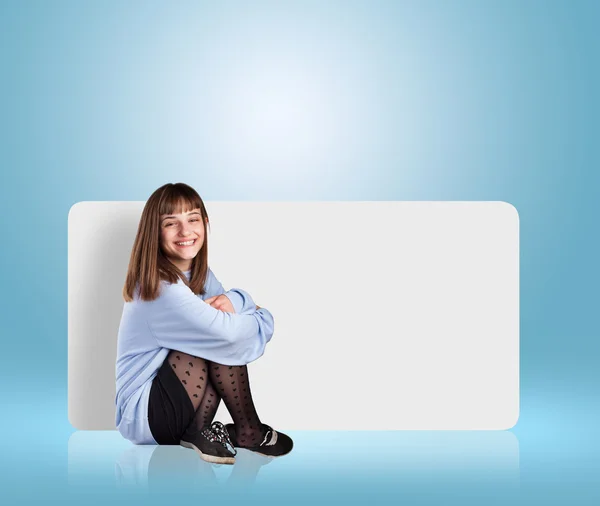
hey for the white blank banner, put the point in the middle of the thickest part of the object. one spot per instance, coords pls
(388, 315)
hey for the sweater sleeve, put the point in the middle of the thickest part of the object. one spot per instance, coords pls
(240, 299)
(180, 320)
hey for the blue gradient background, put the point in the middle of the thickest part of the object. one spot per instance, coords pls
(432, 100)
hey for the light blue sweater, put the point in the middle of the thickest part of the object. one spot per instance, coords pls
(180, 320)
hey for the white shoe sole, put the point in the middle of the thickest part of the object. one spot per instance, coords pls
(264, 454)
(208, 458)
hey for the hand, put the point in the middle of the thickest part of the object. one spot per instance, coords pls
(221, 302)
(258, 307)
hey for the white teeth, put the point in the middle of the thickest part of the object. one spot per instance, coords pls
(188, 243)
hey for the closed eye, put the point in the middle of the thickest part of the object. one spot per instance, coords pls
(194, 219)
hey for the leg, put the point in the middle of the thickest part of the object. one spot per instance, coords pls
(231, 383)
(209, 440)
(208, 406)
(192, 372)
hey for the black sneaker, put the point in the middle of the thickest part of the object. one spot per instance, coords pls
(274, 444)
(211, 443)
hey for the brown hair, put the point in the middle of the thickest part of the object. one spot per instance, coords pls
(148, 264)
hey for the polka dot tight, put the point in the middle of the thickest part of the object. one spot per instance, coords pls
(206, 383)
(232, 384)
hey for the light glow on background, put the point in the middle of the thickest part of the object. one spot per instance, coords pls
(281, 117)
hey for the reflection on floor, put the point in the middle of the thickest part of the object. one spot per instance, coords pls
(103, 460)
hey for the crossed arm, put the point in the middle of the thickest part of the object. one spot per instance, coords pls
(221, 300)
(222, 303)
(181, 321)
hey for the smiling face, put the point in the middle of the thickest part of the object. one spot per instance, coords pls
(182, 237)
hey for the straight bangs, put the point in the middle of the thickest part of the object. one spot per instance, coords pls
(177, 200)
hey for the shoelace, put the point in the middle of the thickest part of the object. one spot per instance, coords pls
(218, 432)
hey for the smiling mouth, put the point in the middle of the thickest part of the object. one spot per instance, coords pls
(185, 244)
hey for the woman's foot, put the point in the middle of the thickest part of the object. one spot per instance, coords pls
(274, 444)
(210, 443)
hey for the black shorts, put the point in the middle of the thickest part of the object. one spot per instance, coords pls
(170, 410)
